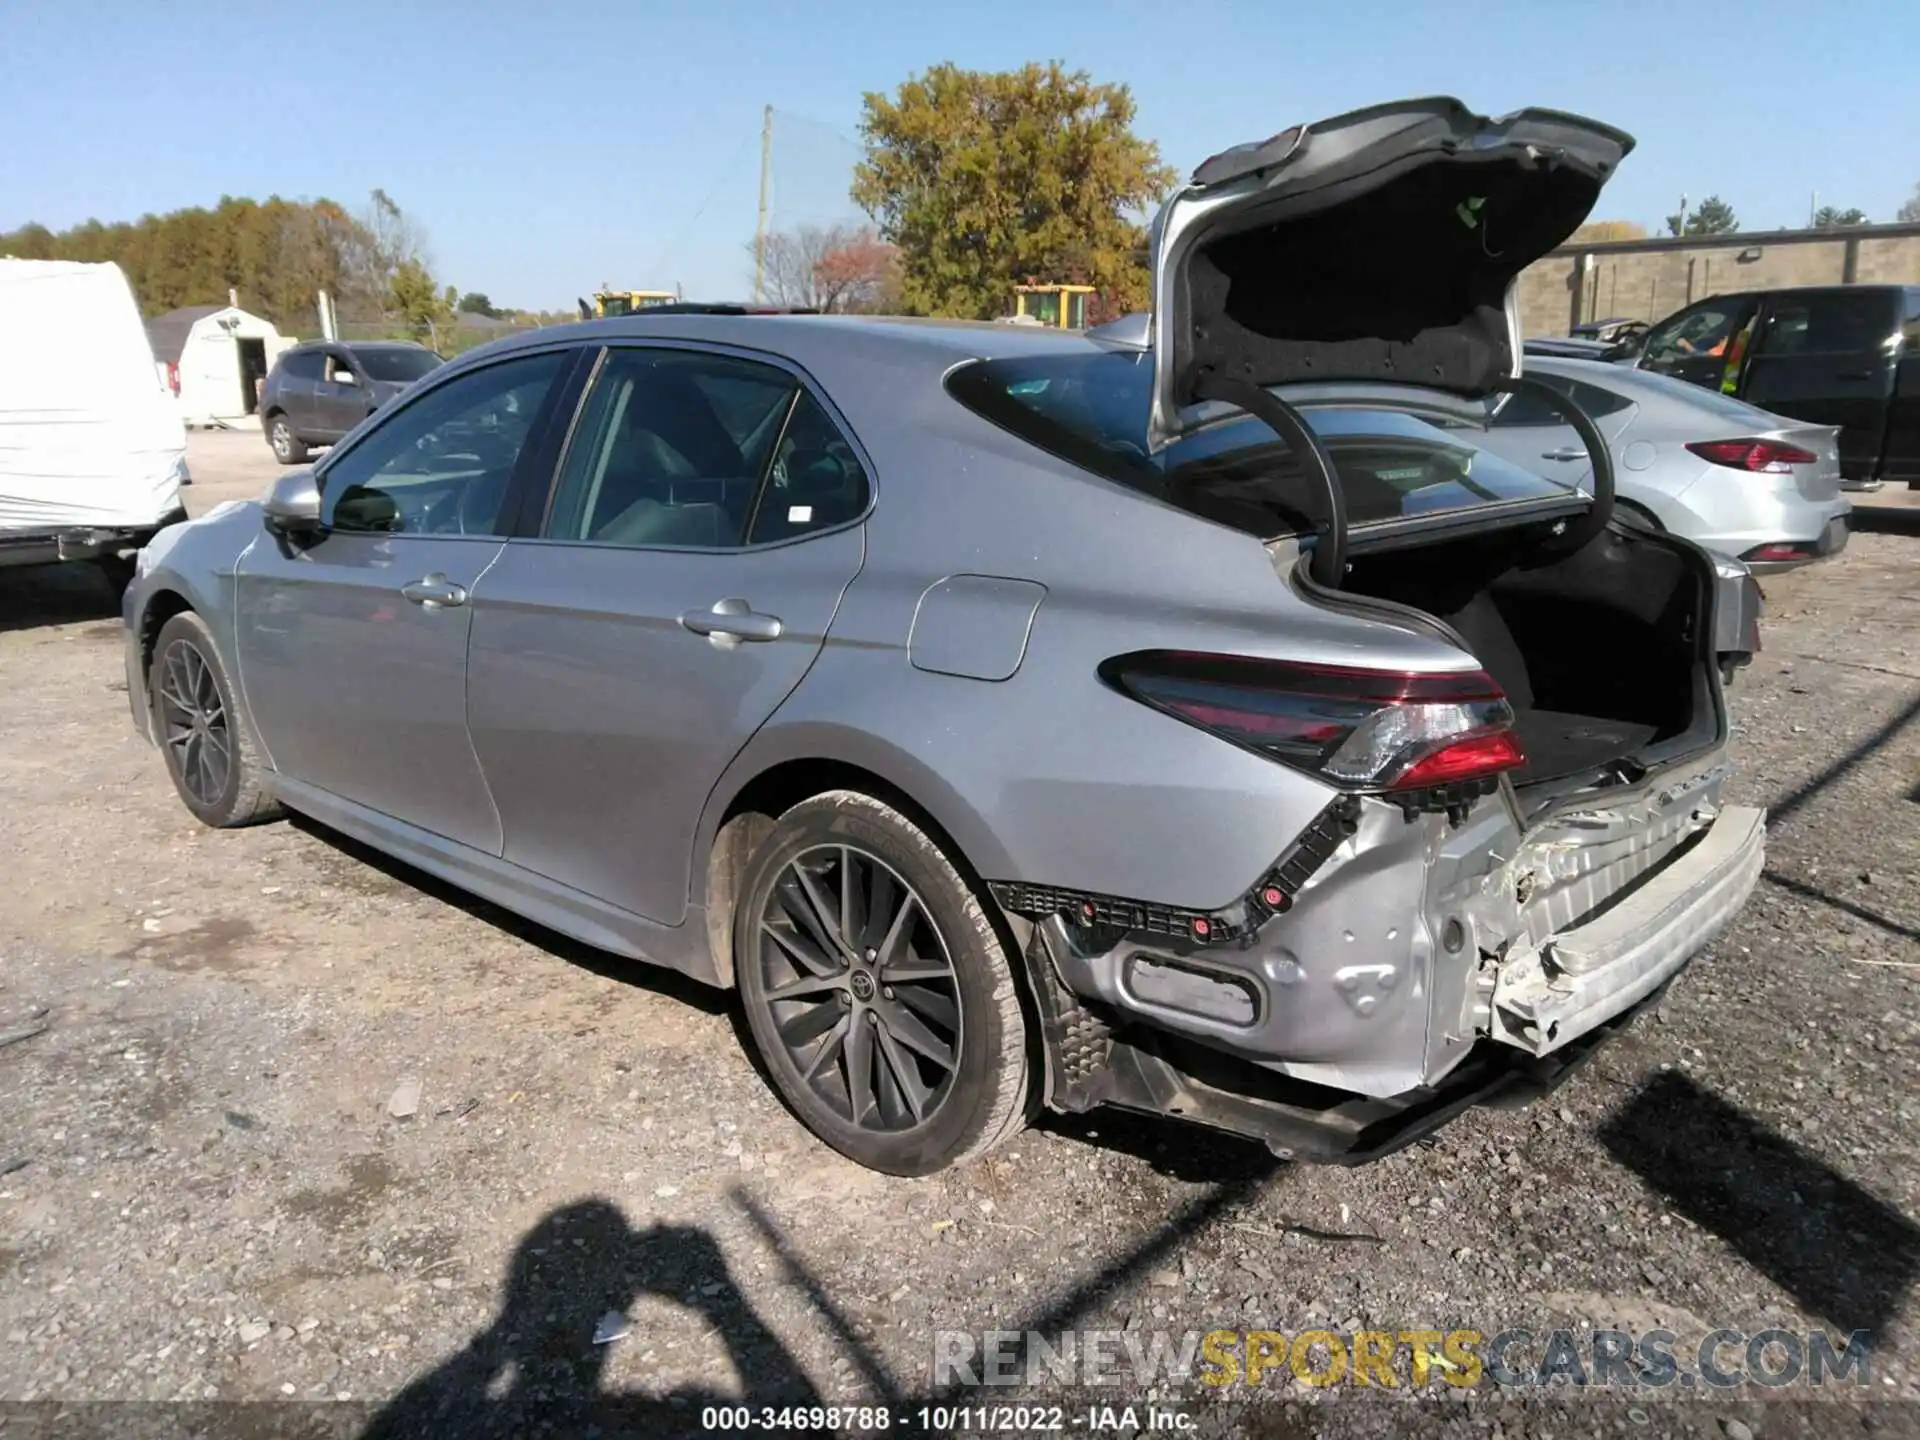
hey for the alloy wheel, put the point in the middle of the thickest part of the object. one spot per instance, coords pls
(193, 718)
(282, 439)
(861, 988)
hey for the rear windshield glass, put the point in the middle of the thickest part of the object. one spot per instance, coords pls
(382, 363)
(1091, 409)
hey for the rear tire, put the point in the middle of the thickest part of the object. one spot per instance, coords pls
(210, 754)
(879, 995)
(288, 448)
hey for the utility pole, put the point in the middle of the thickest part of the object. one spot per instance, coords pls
(760, 226)
(1813, 210)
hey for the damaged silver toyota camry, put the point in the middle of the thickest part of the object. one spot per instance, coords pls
(1190, 717)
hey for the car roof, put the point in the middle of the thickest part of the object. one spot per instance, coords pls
(810, 340)
(1868, 289)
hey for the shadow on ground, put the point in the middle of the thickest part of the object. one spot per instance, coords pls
(1841, 1252)
(1886, 519)
(36, 595)
(536, 1369)
(600, 962)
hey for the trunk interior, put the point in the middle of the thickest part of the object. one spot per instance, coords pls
(1605, 654)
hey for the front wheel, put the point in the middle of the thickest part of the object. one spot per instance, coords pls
(877, 989)
(288, 448)
(210, 756)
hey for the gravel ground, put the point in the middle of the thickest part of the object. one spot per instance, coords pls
(205, 1194)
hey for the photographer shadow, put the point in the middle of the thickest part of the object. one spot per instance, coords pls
(536, 1370)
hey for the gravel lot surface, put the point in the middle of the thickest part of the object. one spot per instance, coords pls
(206, 1193)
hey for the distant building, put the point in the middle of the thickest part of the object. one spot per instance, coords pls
(215, 358)
(1650, 279)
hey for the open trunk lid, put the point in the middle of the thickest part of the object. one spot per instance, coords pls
(1379, 246)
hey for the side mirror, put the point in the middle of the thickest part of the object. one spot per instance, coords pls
(292, 506)
(345, 377)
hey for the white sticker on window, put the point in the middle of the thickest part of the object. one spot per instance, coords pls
(799, 514)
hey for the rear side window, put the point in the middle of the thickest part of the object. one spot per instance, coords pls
(1523, 408)
(816, 482)
(1091, 409)
(1912, 328)
(692, 450)
(402, 364)
(1835, 322)
(301, 365)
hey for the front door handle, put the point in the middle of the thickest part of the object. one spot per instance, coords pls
(435, 592)
(731, 621)
(1564, 455)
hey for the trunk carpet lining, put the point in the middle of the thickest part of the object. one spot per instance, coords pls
(1560, 744)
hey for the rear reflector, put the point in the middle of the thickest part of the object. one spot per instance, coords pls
(1360, 729)
(1783, 550)
(1762, 457)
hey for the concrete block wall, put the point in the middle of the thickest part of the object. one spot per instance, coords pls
(1650, 279)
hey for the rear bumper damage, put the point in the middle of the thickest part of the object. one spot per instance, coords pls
(1547, 996)
(1416, 974)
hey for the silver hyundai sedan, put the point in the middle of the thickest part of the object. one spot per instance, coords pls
(1024, 719)
(1755, 487)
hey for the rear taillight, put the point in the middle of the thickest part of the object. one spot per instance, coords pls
(1762, 457)
(1782, 550)
(1360, 729)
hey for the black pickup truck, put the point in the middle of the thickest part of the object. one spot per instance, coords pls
(1845, 355)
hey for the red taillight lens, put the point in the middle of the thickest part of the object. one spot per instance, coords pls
(1473, 758)
(1762, 457)
(1780, 550)
(1363, 729)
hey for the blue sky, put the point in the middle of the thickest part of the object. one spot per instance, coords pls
(547, 148)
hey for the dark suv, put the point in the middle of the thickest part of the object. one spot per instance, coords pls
(319, 391)
(1845, 355)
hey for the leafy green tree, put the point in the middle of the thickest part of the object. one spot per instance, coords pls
(1713, 217)
(276, 253)
(983, 179)
(1829, 218)
(416, 301)
(1910, 212)
(475, 303)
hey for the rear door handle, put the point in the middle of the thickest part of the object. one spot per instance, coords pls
(1564, 455)
(731, 621)
(435, 592)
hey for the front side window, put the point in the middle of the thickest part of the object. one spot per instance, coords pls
(1090, 408)
(441, 465)
(339, 370)
(1705, 330)
(687, 449)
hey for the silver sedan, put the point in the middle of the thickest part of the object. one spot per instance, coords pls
(1740, 481)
